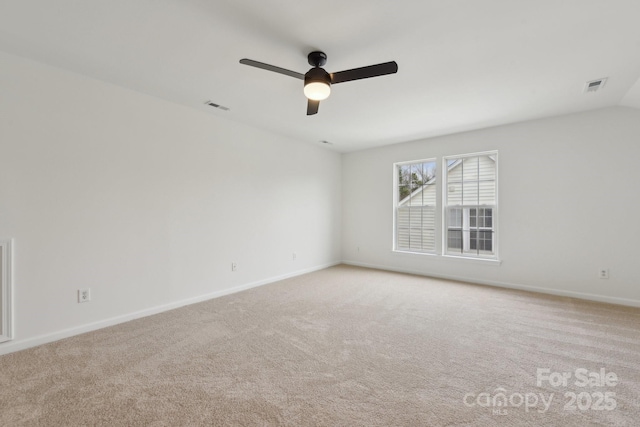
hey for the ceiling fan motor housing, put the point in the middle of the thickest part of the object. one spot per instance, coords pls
(317, 58)
(317, 75)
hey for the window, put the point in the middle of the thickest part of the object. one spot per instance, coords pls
(468, 213)
(470, 205)
(415, 206)
(454, 236)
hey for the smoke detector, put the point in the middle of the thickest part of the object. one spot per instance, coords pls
(595, 85)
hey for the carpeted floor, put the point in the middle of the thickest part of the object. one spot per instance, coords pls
(344, 346)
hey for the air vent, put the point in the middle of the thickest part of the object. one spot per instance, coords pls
(595, 85)
(218, 106)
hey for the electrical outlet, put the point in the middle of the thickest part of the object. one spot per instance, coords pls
(294, 256)
(234, 266)
(84, 295)
(603, 273)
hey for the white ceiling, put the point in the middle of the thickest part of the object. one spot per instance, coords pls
(463, 64)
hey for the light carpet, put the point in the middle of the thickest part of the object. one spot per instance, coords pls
(345, 346)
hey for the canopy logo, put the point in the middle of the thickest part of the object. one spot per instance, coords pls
(499, 401)
(591, 393)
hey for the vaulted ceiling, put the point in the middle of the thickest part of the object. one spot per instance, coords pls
(463, 64)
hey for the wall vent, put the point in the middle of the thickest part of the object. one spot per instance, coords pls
(595, 85)
(218, 106)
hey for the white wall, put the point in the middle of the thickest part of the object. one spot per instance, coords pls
(569, 200)
(146, 202)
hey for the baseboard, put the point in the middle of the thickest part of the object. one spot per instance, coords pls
(557, 292)
(17, 345)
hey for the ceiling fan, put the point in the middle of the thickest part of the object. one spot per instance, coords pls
(317, 82)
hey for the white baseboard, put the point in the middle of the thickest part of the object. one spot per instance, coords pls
(558, 292)
(17, 345)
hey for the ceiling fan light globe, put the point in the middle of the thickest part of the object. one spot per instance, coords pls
(317, 91)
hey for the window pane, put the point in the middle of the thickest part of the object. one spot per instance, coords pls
(429, 194)
(415, 217)
(416, 196)
(470, 195)
(470, 169)
(402, 217)
(416, 204)
(402, 227)
(403, 239)
(486, 193)
(415, 237)
(454, 239)
(485, 242)
(487, 168)
(454, 171)
(485, 218)
(416, 175)
(428, 171)
(481, 241)
(429, 217)
(404, 174)
(455, 218)
(403, 193)
(454, 193)
(428, 240)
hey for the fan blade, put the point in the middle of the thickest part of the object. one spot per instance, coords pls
(273, 68)
(364, 72)
(312, 107)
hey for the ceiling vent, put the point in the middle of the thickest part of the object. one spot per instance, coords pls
(595, 85)
(218, 106)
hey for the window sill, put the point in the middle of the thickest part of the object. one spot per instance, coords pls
(468, 258)
(414, 253)
(451, 257)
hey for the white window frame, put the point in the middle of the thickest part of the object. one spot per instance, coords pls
(466, 210)
(396, 202)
